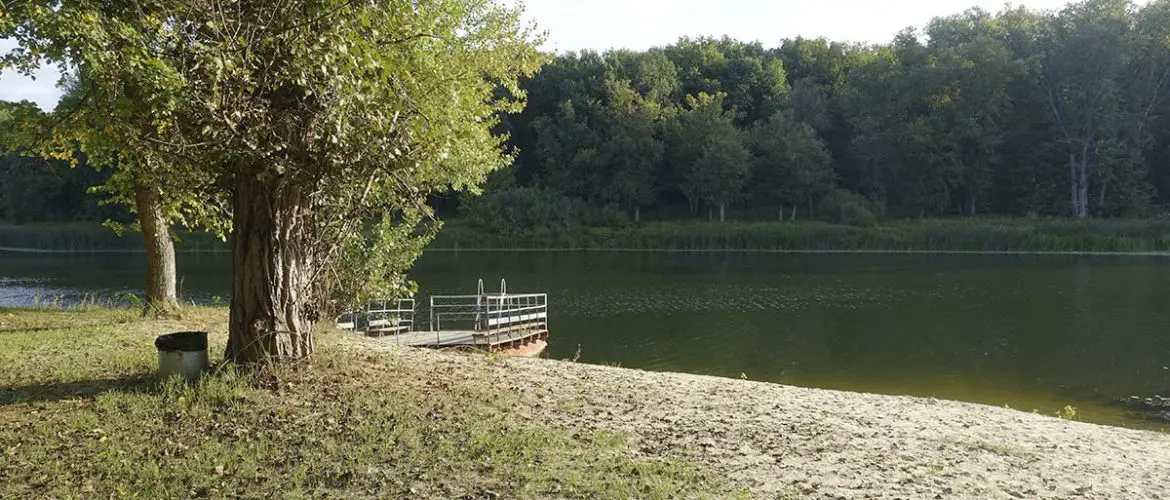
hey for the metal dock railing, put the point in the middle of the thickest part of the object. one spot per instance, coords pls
(481, 320)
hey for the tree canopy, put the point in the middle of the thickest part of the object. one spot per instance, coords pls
(1019, 112)
(323, 125)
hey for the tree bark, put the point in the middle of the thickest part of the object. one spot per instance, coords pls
(722, 212)
(274, 301)
(161, 293)
(637, 213)
(1072, 176)
(1083, 186)
(793, 219)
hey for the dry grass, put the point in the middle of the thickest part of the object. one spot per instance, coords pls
(82, 416)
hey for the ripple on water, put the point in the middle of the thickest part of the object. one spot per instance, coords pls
(730, 298)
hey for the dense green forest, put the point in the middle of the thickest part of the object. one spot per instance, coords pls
(1016, 113)
(1019, 113)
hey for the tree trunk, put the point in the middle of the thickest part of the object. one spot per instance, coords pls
(793, 219)
(1083, 187)
(161, 294)
(811, 213)
(274, 301)
(710, 213)
(781, 216)
(637, 213)
(722, 212)
(1072, 176)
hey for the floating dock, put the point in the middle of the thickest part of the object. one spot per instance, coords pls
(513, 324)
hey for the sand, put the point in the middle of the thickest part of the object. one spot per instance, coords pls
(793, 442)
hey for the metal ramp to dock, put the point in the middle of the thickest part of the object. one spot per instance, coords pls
(492, 321)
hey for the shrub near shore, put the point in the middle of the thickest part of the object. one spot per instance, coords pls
(993, 235)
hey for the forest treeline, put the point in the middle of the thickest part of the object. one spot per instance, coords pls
(1018, 113)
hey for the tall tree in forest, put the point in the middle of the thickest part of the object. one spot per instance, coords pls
(969, 99)
(792, 164)
(709, 153)
(631, 151)
(1084, 61)
(326, 123)
(566, 147)
(1151, 61)
(873, 98)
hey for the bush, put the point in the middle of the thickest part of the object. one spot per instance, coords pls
(518, 210)
(848, 208)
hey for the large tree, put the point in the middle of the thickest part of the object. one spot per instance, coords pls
(326, 123)
(1085, 66)
(792, 164)
(708, 152)
(110, 116)
(631, 152)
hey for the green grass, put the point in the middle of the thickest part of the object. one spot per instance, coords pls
(964, 235)
(82, 416)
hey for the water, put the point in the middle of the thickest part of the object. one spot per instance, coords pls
(1031, 332)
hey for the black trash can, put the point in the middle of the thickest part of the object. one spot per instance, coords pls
(183, 354)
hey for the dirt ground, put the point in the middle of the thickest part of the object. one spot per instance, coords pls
(790, 442)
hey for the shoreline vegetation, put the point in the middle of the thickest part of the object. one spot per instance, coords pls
(940, 235)
(85, 416)
(1028, 236)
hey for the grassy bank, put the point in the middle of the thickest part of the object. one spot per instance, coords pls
(92, 237)
(82, 416)
(947, 235)
(998, 235)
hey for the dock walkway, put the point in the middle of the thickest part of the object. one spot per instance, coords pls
(497, 321)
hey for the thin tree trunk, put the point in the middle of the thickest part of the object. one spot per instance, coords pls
(637, 213)
(710, 213)
(273, 303)
(1073, 177)
(781, 216)
(1083, 187)
(722, 212)
(793, 219)
(161, 294)
(811, 213)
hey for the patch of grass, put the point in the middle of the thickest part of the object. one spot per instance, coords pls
(936, 468)
(81, 415)
(1069, 412)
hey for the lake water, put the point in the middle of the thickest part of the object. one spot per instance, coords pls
(1031, 332)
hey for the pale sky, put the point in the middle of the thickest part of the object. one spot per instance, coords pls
(641, 24)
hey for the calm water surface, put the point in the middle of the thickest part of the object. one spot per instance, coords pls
(1031, 332)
